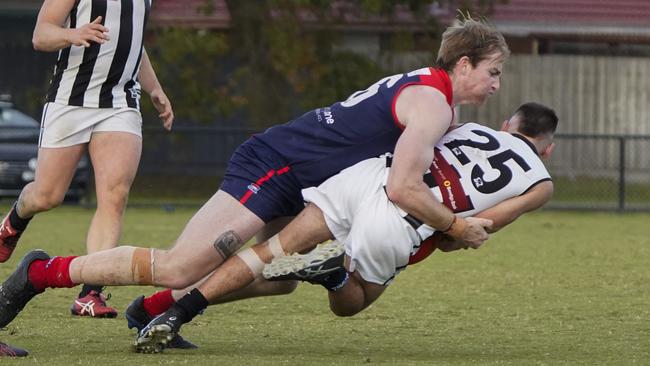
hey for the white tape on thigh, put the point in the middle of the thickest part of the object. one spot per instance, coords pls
(252, 260)
(275, 247)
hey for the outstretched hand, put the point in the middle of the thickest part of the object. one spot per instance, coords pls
(91, 32)
(164, 108)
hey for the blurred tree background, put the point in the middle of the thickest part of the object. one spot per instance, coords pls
(280, 58)
(275, 60)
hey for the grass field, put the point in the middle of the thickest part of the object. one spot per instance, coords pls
(555, 288)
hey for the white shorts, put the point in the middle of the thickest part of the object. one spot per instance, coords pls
(357, 211)
(65, 125)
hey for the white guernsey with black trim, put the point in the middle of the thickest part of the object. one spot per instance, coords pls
(474, 168)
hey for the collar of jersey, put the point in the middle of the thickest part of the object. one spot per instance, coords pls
(527, 141)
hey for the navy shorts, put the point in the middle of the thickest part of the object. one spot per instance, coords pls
(262, 180)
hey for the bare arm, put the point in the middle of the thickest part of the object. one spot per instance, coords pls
(509, 210)
(506, 212)
(427, 116)
(50, 35)
(151, 85)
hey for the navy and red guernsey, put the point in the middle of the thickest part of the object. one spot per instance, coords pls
(311, 148)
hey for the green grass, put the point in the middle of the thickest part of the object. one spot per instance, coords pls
(555, 288)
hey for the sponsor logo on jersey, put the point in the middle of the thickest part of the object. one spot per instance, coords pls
(451, 189)
(450, 193)
(253, 188)
(135, 92)
(325, 114)
(329, 118)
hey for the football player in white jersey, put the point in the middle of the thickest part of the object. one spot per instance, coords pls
(92, 104)
(476, 171)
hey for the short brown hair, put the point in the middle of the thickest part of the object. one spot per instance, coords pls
(472, 38)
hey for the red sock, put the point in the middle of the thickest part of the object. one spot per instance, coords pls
(54, 273)
(159, 302)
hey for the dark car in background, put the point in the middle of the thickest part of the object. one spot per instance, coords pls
(19, 135)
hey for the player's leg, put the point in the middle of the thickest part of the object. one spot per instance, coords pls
(272, 228)
(239, 210)
(114, 148)
(273, 197)
(220, 228)
(257, 288)
(143, 309)
(54, 172)
(307, 228)
(377, 249)
(300, 234)
(356, 295)
(115, 156)
(194, 255)
(262, 182)
(217, 230)
(61, 144)
(213, 233)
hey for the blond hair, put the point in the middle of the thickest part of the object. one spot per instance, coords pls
(472, 38)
